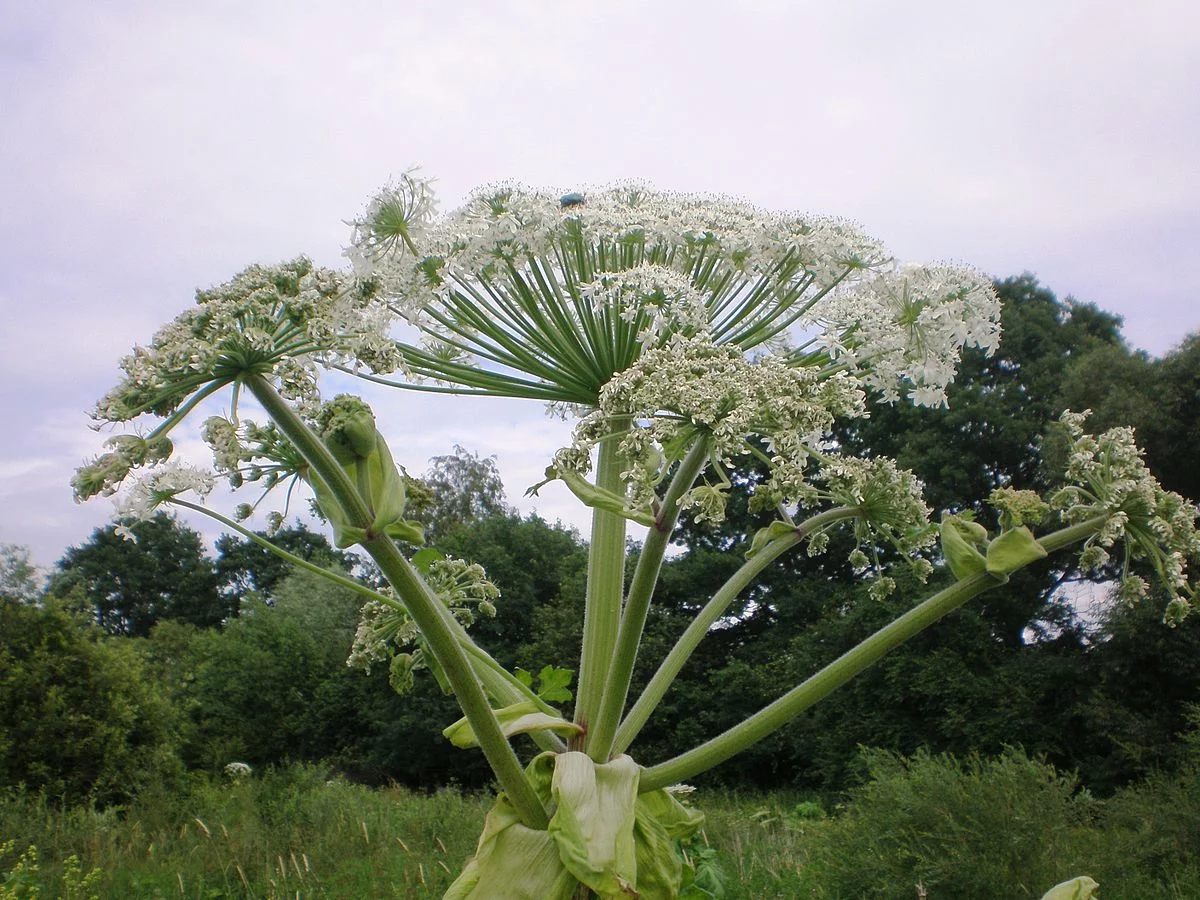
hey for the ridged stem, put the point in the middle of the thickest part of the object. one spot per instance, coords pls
(605, 585)
(671, 665)
(431, 616)
(841, 670)
(637, 602)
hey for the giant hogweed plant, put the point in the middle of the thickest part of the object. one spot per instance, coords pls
(681, 334)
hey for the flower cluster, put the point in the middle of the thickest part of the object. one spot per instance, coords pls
(275, 321)
(903, 328)
(158, 485)
(693, 389)
(386, 633)
(527, 293)
(104, 474)
(888, 508)
(393, 220)
(1107, 477)
(248, 452)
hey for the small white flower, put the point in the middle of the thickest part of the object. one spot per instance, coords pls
(158, 485)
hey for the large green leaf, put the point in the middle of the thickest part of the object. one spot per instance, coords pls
(520, 718)
(660, 821)
(594, 819)
(513, 862)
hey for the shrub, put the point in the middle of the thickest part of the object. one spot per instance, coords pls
(79, 718)
(978, 828)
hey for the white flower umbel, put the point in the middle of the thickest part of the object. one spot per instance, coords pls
(535, 294)
(693, 388)
(1109, 478)
(158, 485)
(903, 328)
(269, 320)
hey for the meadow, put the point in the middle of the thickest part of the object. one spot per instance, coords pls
(923, 826)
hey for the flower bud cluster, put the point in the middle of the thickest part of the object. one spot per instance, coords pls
(1107, 477)
(249, 452)
(386, 633)
(105, 473)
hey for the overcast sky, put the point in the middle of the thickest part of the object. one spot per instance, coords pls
(150, 148)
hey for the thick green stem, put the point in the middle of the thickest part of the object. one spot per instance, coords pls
(841, 670)
(431, 616)
(670, 667)
(637, 602)
(606, 579)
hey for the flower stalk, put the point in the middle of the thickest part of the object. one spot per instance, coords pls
(637, 603)
(777, 714)
(605, 586)
(431, 616)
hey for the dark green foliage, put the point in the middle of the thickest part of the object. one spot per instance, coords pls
(244, 567)
(532, 562)
(1146, 680)
(129, 586)
(80, 718)
(251, 690)
(1160, 398)
(979, 828)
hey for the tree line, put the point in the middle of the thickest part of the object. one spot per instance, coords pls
(141, 661)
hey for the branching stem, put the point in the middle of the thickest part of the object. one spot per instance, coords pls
(841, 670)
(432, 617)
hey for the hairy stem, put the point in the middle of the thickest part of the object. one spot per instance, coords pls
(841, 670)
(671, 665)
(637, 602)
(432, 617)
(605, 583)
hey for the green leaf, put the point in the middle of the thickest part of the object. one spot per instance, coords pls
(406, 530)
(959, 539)
(553, 684)
(599, 498)
(594, 819)
(1081, 888)
(423, 559)
(1013, 550)
(764, 536)
(513, 862)
(519, 718)
(660, 822)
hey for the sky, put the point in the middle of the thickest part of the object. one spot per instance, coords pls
(151, 148)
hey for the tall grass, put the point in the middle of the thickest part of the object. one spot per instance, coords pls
(288, 833)
(931, 827)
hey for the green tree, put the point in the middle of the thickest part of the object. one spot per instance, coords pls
(464, 488)
(19, 577)
(128, 586)
(80, 718)
(244, 566)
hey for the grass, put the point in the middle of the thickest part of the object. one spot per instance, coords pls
(289, 833)
(296, 833)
